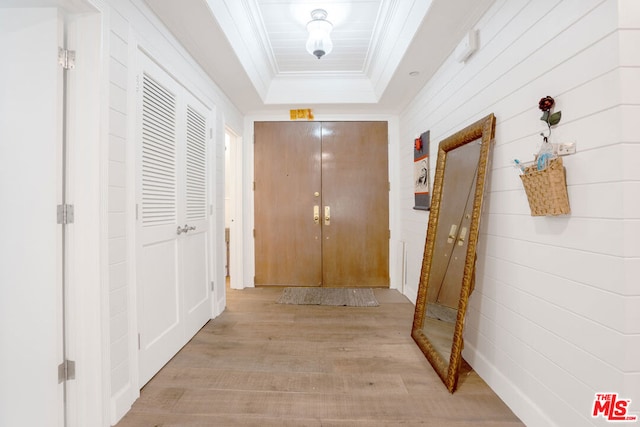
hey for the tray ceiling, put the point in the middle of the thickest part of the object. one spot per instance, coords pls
(255, 49)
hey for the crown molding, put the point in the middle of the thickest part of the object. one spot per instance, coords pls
(401, 25)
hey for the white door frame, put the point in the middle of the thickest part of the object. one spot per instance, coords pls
(235, 209)
(88, 291)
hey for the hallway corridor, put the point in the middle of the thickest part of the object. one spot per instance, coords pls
(266, 364)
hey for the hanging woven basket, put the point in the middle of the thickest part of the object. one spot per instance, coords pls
(547, 189)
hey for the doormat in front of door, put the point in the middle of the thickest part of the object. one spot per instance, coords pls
(350, 297)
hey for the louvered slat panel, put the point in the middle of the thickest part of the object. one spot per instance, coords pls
(196, 165)
(158, 154)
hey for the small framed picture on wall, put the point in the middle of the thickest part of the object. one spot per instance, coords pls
(421, 182)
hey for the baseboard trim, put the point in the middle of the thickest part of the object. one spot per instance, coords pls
(121, 402)
(521, 405)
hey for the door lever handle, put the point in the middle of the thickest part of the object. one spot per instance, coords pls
(462, 236)
(327, 215)
(185, 229)
(452, 233)
(316, 214)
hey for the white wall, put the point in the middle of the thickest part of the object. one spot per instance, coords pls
(132, 26)
(555, 315)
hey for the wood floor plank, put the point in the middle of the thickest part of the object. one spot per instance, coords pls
(199, 378)
(267, 364)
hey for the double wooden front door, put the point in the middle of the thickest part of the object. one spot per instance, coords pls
(321, 204)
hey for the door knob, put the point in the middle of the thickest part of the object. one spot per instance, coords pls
(327, 215)
(316, 214)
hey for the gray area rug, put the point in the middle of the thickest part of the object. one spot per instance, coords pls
(441, 312)
(351, 297)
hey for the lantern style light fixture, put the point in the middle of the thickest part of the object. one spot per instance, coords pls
(319, 43)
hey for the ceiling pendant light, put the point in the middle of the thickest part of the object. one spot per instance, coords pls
(319, 43)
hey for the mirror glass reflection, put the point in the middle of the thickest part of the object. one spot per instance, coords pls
(449, 258)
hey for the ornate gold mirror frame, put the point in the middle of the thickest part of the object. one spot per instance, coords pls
(437, 327)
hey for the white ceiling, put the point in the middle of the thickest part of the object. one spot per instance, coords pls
(282, 27)
(255, 49)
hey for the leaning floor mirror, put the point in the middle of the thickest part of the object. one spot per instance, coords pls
(448, 266)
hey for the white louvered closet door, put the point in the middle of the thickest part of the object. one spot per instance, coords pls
(194, 243)
(174, 300)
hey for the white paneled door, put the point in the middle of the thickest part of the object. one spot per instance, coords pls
(194, 248)
(31, 183)
(174, 300)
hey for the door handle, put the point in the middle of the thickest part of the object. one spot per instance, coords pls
(185, 229)
(316, 214)
(327, 215)
(462, 236)
(452, 233)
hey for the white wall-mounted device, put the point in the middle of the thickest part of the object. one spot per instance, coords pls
(467, 46)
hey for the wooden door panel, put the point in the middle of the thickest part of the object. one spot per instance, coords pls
(458, 193)
(449, 294)
(287, 176)
(356, 189)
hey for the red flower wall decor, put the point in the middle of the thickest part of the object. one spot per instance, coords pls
(551, 119)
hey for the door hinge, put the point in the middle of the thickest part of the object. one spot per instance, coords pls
(67, 58)
(66, 371)
(139, 346)
(212, 285)
(254, 186)
(65, 214)
(254, 233)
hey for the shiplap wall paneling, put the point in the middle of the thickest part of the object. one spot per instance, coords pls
(629, 136)
(553, 319)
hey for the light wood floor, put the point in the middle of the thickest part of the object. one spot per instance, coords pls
(267, 364)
